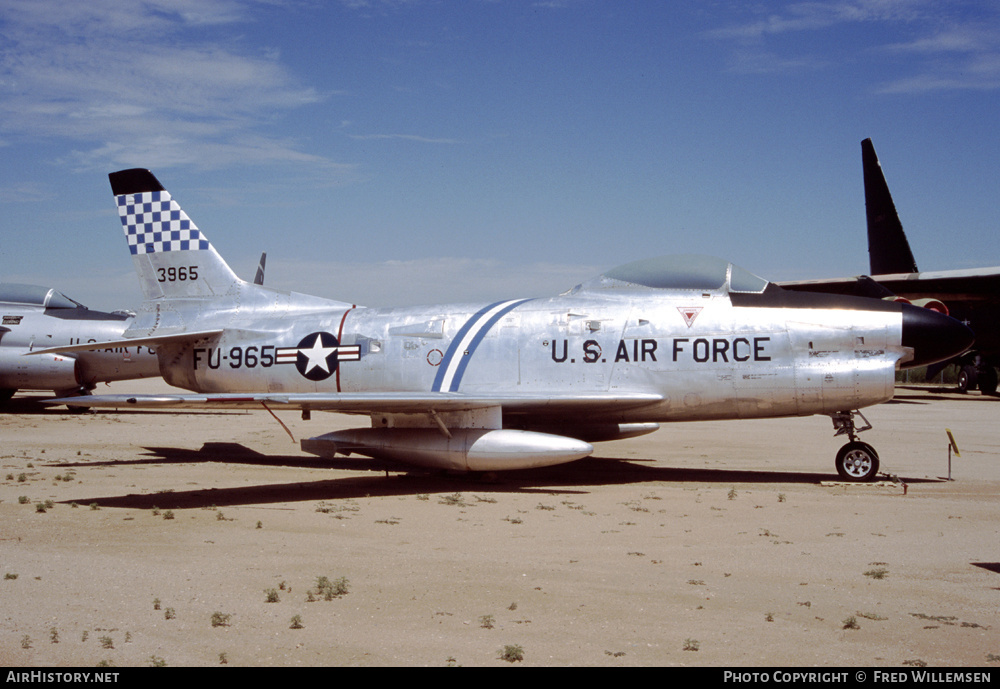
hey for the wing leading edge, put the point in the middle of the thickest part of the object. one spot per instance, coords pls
(376, 403)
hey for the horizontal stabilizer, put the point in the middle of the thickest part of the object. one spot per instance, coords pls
(152, 341)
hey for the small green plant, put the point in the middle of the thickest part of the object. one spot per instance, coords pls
(512, 653)
(223, 659)
(170, 614)
(25, 641)
(691, 644)
(156, 604)
(271, 596)
(220, 619)
(877, 573)
(296, 622)
(731, 495)
(23, 499)
(54, 635)
(851, 623)
(169, 514)
(328, 590)
(107, 642)
(10, 576)
(453, 499)
(157, 661)
(486, 621)
(39, 507)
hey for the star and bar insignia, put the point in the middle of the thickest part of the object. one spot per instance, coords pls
(317, 355)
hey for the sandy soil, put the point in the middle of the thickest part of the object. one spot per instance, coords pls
(724, 544)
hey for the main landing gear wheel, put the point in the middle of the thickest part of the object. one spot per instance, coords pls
(857, 461)
(967, 378)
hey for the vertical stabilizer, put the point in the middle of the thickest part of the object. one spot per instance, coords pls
(888, 250)
(172, 257)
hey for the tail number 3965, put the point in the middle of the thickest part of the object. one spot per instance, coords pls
(174, 274)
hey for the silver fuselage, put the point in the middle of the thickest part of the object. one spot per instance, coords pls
(706, 357)
(27, 328)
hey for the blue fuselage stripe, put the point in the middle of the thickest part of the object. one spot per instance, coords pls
(456, 359)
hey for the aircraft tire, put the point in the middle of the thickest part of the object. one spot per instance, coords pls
(967, 379)
(857, 462)
(988, 380)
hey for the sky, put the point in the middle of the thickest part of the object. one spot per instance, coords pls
(396, 152)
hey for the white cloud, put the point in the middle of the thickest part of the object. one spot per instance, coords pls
(113, 80)
(404, 137)
(948, 45)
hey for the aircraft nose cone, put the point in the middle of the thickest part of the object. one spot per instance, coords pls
(933, 336)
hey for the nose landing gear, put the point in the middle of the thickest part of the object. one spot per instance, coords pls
(856, 461)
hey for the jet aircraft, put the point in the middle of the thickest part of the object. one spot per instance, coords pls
(38, 317)
(517, 383)
(971, 295)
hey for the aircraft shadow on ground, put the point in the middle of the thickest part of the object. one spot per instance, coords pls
(574, 478)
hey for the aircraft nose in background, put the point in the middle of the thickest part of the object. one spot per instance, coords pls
(933, 336)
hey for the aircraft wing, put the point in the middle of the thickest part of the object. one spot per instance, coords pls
(375, 402)
(976, 284)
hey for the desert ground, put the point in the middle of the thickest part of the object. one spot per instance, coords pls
(140, 538)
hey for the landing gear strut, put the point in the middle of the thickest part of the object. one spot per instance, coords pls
(856, 461)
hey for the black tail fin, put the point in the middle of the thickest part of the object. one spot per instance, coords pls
(888, 250)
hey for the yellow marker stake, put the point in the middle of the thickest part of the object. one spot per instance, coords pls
(951, 440)
(952, 446)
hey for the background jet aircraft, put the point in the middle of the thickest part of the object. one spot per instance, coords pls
(972, 296)
(518, 383)
(39, 317)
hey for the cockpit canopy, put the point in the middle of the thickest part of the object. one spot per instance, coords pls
(34, 295)
(680, 272)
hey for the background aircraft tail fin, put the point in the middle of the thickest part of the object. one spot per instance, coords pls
(172, 256)
(888, 250)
